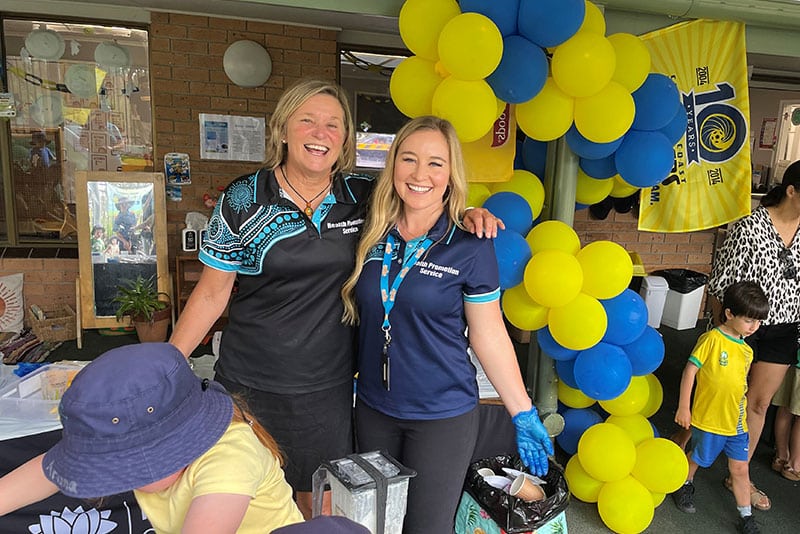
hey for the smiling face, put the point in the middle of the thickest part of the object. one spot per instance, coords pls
(315, 134)
(422, 171)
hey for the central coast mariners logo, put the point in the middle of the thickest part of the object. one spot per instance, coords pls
(716, 130)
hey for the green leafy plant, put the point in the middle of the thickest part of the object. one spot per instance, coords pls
(140, 299)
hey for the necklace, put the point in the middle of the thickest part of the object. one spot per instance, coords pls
(309, 211)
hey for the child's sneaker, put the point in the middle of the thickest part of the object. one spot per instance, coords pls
(748, 525)
(684, 498)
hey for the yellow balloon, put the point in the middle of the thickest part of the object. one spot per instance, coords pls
(636, 426)
(661, 465)
(633, 60)
(631, 401)
(412, 85)
(574, 398)
(606, 115)
(579, 324)
(477, 194)
(606, 452)
(581, 485)
(625, 506)
(527, 185)
(421, 22)
(593, 21)
(607, 269)
(548, 115)
(470, 46)
(658, 498)
(553, 235)
(621, 188)
(553, 278)
(583, 64)
(655, 396)
(522, 311)
(469, 105)
(591, 190)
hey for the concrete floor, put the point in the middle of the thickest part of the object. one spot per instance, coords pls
(716, 508)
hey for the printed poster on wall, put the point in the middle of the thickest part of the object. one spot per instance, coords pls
(711, 177)
(232, 138)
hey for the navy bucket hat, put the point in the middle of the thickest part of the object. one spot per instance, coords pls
(133, 416)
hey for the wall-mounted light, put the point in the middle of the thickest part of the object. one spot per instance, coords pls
(247, 64)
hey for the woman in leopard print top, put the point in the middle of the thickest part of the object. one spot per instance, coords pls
(765, 247)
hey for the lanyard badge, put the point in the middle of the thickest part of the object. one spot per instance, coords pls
(388, 297)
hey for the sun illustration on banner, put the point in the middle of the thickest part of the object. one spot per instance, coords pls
(10, 307)
(75, 522)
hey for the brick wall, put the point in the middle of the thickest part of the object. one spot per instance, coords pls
(188, 79)
(48, 283)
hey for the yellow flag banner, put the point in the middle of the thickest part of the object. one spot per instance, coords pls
(710, 180)
(491, 158)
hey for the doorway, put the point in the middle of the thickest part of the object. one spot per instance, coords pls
(787, 148)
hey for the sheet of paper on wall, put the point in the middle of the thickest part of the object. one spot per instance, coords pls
(232, 138)
(8, 106)
(177, 169)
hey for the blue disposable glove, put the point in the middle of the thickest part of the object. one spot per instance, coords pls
(533, 442)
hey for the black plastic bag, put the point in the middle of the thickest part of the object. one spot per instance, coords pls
(511, 514)
(682, 280)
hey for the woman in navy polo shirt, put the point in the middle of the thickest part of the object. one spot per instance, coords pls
(420, 280)
(287, 233)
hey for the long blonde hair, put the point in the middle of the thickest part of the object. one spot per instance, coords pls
(289, 102)
(386, 206)
(241, 413)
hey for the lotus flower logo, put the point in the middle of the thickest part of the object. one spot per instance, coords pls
(74, 522)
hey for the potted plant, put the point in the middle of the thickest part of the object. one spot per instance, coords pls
(149, 313)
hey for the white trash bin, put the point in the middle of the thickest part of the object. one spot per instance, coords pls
(681, 310)
(654, 292)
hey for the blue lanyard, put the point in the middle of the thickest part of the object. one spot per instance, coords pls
(388, 296)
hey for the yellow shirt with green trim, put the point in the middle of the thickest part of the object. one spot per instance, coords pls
(719, 403)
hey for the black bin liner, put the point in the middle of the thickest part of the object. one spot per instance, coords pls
(511, 514)
(682, 280)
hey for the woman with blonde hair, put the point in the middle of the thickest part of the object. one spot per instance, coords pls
(287, 234)
(419, 283)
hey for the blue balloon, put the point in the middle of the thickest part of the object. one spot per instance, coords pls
(521, 73)
(676, 128)
(579, 206)
(550, 22)
(513, 254)
(602, 372)
(627, 317)
(599, 168)
(588, 149)
(534, 156)
(565, 369)
(551, 347)
(502, 13)
(656, 100)
(644, 159)
(646, 352)
(576, 421)
(513, 209)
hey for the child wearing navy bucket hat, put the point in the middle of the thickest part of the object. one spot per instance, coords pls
(137, 418)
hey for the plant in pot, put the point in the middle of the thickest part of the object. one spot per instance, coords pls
(149, 309)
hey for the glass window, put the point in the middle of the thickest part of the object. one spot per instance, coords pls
(82, 98)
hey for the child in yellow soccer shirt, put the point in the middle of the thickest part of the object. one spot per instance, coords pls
(719, 363)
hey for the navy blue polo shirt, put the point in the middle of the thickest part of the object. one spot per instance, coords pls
(284, 331)
(431, 373)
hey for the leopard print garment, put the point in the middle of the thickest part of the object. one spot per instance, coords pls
(750, 252)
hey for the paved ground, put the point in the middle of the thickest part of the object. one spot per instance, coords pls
(716, 508)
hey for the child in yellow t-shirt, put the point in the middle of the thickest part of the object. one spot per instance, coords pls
(719, 363)
(137, 418)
